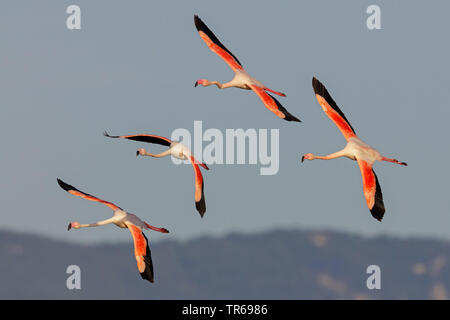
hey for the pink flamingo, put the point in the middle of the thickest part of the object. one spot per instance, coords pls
(179, 151)
(241, 78)
(122, 219)
(355, 149)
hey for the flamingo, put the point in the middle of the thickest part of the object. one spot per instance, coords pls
(179, 151)
(241, 78)
(355, 149)
(122, 219)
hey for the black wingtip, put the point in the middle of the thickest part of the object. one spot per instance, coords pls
(107, 135)
(287, 115)
(315, 83)
(201, 205)
(319, 88)
(64, 185)
(201, 26)
(378, 209)
(198, 22)
(292, 118)
(148, 273)
(147, 276)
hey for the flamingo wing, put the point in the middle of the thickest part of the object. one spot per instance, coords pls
(372, 190)
(215, 45)
(72, 190)
(149, 138)
(142, 252)
(200, 203)
(332, 110)
(272, 104)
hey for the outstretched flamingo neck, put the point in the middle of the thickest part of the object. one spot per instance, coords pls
(142, 152)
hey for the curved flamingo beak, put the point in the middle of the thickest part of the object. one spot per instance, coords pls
(196, 84)
(69, 227)
(137, 153)
(303, 158)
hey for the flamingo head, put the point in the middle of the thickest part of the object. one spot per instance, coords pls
(75, 225)
(203, 82)
(140, 151)
(308, 156)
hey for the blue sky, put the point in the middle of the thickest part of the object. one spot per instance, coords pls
(131, 69)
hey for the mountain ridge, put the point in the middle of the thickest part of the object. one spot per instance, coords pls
(277, 264)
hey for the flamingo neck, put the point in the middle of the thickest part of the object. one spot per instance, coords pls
(217, 83)
(97, 224)
(159, 155)
(335, 155)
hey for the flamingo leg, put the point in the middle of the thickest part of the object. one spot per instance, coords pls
(162, 230)
(275, 92)
(394, 161)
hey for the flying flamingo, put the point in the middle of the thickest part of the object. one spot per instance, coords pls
(241, 78)
(122, 219)
(178, 151)
(355, 149)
